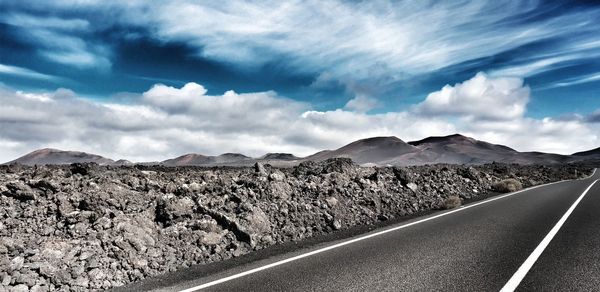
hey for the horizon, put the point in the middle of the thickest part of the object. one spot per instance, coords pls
(142, 82)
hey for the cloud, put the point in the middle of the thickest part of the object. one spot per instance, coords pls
(594, 117)
(360, 40)
(406, 36)
(362, 103)
(29, 21)
(165, 122)
(535, 67)
(65, 41)
(579, 80)
(24, 72)
(546, 135)
(480, 97)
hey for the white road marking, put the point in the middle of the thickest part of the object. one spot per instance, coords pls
(275, 264)
(516, 279)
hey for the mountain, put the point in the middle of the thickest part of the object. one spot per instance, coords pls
(452, 149)
(188, 159)
(593, 152)
(123, 162)
(459, 149)
(377, 150)
(55, 156)
(279, 156)
(590, 156)
(228, 159)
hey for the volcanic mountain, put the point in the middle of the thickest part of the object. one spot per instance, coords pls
(279, 156)
(229, 159)
(459, 149)
(377, 150)
(453, 149)
(55, 156)
(589, 153)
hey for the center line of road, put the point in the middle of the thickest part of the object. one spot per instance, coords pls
(281, 262)
(516, 279)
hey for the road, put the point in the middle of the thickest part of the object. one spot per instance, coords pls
(545, 238)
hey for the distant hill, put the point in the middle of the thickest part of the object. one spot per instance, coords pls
(123, 162)
(55, 156)
(233, 159)
(459, 149)
(375, 150)
(593, 152)
(452, 149)
(279, 156)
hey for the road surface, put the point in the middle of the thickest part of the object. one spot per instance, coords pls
(546, 238)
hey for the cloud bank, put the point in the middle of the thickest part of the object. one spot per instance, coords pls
(479, 98)
(165, 121)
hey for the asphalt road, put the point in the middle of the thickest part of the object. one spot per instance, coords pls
(477, 247)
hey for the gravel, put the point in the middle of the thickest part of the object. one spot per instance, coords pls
(84, 226)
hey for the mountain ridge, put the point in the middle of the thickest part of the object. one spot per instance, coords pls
(55, 156)
(380, 150)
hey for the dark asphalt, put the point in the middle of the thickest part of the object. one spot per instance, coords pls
(475, 249)
(571, 262)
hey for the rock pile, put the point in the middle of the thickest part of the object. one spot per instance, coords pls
(86, 226)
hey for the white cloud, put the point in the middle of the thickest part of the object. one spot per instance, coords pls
(61, 40)
(24, 72)
(349, 38)
(29, 21)
(413, 37)
(546, 135)
(579, 80)
(165, 122)
(480, 97)
(535, 67)
(362, 103)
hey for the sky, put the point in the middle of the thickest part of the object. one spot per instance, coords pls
(147, 81)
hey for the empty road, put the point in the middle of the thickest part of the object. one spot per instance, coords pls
(545, 238)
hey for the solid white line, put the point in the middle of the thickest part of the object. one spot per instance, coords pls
(255, 270)
(516, 279)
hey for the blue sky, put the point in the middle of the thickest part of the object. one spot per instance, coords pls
(371, 59)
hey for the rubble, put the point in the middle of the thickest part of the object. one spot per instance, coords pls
(83, 226)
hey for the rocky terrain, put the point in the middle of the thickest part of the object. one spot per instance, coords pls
(84, 226)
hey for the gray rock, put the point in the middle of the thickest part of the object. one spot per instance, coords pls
(412, 186)
(260, 169)
(20, 191)
(336, 224)
(172, 210)
(16, 263)
(19, 288)
(39, 288)
(96, 274)
(402, 175)
(331, 202)
(211, 238)
(277, 175)
(6, 280)
(28, 278)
